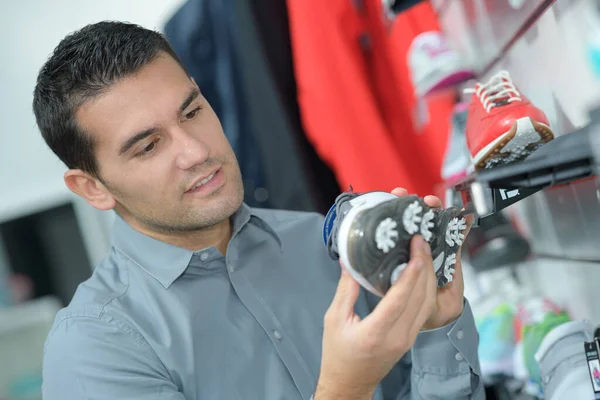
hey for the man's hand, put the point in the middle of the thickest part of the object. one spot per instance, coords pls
(450, 298)
(358, 354)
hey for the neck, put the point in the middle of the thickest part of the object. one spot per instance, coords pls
(213, 236)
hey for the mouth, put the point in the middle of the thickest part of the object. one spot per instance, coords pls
(203, 181)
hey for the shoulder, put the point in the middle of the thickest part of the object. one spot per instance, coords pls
(95, 305)
(100, 353)
(95, 334)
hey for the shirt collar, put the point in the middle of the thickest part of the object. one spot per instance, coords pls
(166, 262)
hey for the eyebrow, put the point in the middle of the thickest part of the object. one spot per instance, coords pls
(194, 93)
(130, 142)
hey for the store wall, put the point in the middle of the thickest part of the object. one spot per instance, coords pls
(30, 175)
(46, 233)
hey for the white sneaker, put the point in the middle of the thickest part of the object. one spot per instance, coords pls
(434, 65)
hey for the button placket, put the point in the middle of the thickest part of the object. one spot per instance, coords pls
(246, 289)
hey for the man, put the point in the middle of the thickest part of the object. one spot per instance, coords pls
(201, 297)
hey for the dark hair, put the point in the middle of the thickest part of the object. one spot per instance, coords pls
(83, 65)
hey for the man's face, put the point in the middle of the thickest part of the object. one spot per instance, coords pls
(161, 150)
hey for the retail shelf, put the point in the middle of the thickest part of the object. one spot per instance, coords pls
(485, 31)
(23, 331)
(28, 315)
(566, 159)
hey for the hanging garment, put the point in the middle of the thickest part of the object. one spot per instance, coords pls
(201, 35)
(432, 138)
(271, 21)
(395, 7)
(265, 54)
(222, 50)
(356, 98)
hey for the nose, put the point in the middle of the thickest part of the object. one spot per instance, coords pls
(191, 151)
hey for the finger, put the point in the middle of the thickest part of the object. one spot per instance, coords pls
(393, 304)
(400, 192)
(469, 219)
(433, 201)
(428, 308)
(416, 306)
(346, 294)
(419, 307)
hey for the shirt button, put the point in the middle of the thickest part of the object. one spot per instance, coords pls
(277, 335)
(460, 334)
(204, 256)
(458, 357)
(231, 268)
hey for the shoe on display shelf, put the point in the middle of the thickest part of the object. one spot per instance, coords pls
(531, 337)
(457, 158)
(495, 314)
(496, 341)
(503, 126)
(434, 66)
(496, 243)
(564, 367)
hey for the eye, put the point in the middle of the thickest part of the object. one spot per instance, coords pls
(149, 148)
(192, 114)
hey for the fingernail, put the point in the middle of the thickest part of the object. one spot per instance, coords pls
(426, 247)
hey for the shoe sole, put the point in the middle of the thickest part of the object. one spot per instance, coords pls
(523, 138)
(376, 264)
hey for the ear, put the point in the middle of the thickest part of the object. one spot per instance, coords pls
(90, 188)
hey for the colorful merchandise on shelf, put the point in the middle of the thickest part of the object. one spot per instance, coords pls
(434, 65)
(503, 126)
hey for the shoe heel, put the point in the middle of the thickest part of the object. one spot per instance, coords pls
(451, 229)
(524, 137)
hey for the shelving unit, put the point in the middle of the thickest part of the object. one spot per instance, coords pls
(565, 160)
(555, 193)
(553, 196)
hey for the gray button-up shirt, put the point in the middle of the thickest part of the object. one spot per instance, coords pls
(160, 322)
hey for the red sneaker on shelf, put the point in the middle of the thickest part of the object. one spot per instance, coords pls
(502, 125)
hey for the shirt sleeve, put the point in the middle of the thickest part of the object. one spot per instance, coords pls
(445, 362)
(89, 359)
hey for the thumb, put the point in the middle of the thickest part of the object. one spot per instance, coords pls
(420, 249)
(346, 294)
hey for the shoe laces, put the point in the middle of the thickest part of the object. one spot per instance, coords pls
(499, 87)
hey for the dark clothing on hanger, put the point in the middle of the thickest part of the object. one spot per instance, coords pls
(239, 54)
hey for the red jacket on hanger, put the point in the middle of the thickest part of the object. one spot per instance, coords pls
(356, 98)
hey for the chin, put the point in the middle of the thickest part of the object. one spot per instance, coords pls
(226, 204)
(234, 201)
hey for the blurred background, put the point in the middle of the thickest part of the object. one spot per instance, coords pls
(316, 97)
